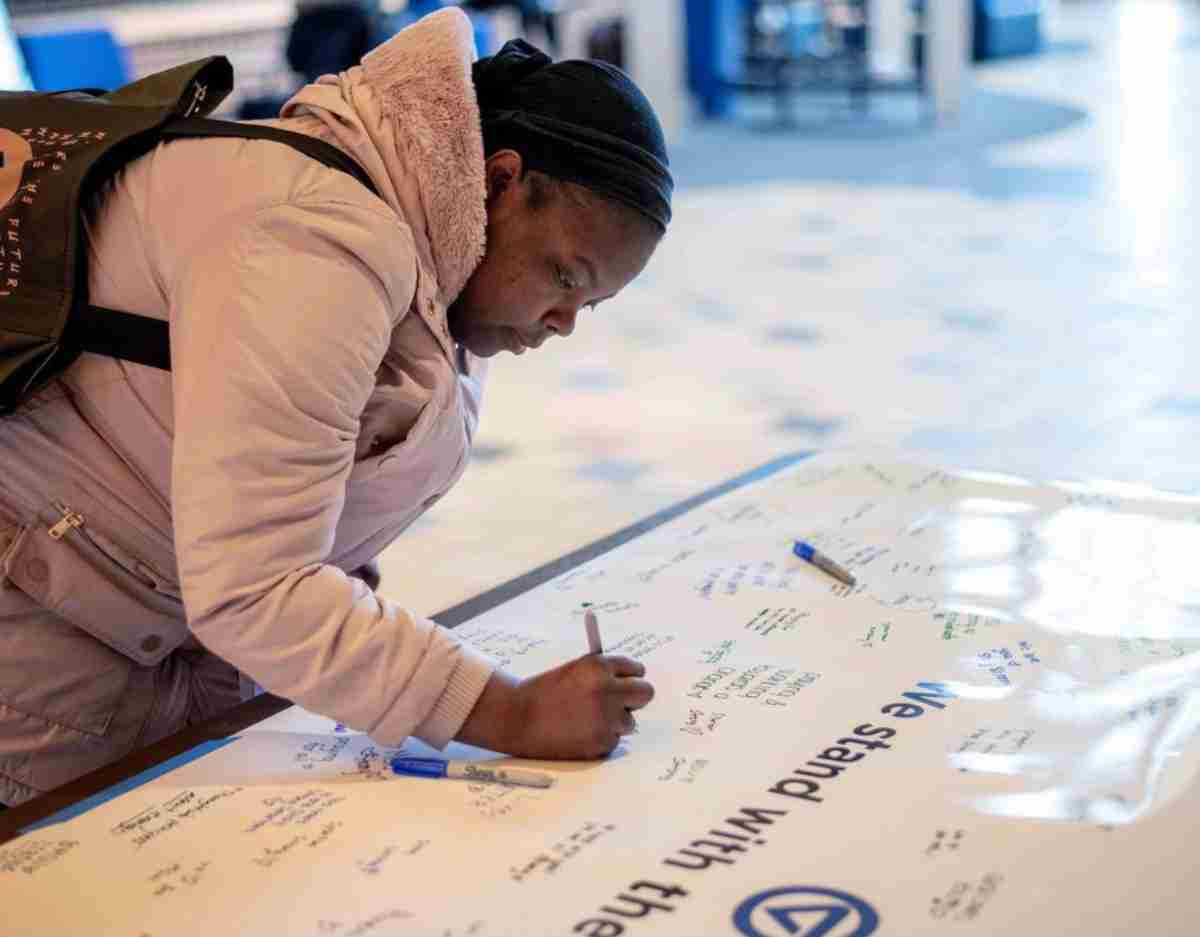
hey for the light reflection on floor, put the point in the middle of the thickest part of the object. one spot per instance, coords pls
(1016, 294)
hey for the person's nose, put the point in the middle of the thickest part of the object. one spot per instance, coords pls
(561, 320)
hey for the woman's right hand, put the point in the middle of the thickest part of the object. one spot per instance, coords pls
(577, 710)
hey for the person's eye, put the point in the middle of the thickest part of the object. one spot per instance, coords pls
(564, 279)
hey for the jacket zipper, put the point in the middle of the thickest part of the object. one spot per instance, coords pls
(70, 520)
(73, 520)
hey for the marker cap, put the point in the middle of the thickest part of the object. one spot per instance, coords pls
(422, 767)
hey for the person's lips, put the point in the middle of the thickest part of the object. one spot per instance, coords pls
(515, 343)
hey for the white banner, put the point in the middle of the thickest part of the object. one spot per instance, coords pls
(992, 732)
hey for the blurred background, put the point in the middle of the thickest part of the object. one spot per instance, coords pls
(961, 231)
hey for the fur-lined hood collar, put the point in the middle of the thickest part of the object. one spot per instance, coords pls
(409, 115)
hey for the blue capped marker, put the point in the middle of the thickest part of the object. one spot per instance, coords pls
(466, 771)
(810, 554)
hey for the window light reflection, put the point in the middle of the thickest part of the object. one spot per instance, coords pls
(1114, 574)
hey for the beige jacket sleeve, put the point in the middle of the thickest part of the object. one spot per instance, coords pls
(277, 329)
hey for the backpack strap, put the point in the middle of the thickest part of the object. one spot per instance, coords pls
(319, 150)
(145, 340)
(124, 335)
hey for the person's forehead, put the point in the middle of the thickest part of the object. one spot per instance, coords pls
(592, 231)
(597, 223)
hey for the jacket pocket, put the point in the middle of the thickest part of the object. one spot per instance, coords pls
(65, 569)
(53, 675)
(385, 493)
(403, 451)
(139, 569)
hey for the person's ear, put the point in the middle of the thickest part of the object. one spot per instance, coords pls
(502, 172)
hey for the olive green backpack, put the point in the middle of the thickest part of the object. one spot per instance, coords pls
(56, 151)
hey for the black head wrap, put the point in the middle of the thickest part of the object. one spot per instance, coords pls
(580, 121)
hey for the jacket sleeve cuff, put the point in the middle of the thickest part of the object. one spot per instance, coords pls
(457, 700)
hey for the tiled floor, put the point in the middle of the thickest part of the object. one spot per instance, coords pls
(1017, 293)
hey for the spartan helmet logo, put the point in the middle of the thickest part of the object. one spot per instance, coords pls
(15, 152)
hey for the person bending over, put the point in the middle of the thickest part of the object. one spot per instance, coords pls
(169, 540)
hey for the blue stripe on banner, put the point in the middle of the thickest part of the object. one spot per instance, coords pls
(83, 806)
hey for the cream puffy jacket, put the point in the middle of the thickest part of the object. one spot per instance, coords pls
(316, 404)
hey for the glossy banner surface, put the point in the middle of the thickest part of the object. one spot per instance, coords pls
(992, 732)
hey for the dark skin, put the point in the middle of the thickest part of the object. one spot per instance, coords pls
(544, 263)
(553, 249)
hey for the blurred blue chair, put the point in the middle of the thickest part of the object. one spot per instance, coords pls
(1006, 28)
(86, 58)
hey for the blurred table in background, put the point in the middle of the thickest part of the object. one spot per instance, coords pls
(802, 50)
